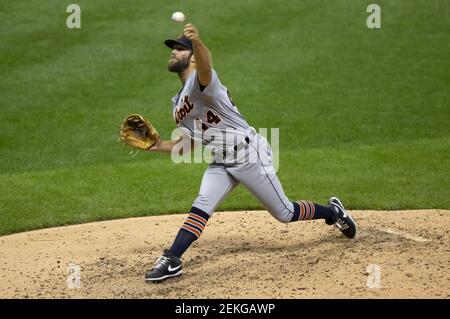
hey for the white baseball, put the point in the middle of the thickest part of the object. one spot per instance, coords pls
(178, 16)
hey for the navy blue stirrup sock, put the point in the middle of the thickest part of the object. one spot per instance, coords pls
(190, 231)
(306, 210)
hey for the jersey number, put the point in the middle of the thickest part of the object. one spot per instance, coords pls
(212, 118)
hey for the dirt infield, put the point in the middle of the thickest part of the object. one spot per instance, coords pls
(240, 255)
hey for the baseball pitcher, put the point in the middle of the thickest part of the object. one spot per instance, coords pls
(205, 112)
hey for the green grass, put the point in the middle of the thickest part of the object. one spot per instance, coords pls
(362, 113)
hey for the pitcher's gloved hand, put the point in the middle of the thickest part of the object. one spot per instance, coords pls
(138, 132)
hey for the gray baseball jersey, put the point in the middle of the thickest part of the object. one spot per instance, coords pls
(210, 115)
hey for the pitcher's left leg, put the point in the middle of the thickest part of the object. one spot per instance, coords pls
(258, 175)
(266, 187)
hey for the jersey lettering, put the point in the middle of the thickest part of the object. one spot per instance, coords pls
(181, 113)
(212, 118)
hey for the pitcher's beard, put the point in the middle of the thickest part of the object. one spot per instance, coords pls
(178, 66)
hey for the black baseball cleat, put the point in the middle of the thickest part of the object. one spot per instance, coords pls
(330, 221)
(343, 221)
(166, 266)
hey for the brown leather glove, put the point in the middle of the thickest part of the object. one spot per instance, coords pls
(138, 132)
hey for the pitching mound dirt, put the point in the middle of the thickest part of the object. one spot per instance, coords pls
(403, 254)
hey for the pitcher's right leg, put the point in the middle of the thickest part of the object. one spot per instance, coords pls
(216, 185)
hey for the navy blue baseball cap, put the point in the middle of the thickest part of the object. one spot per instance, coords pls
(182, 40)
